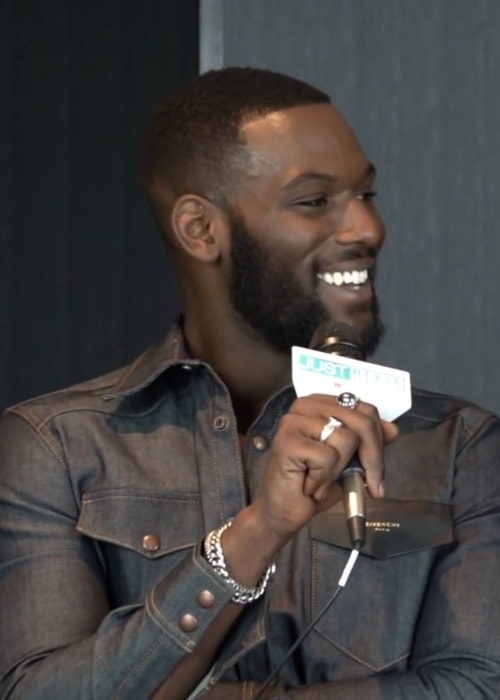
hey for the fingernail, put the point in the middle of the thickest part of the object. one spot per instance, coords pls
(381, 489)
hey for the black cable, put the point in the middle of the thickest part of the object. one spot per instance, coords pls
(341, 584)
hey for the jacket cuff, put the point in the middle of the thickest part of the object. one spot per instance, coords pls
(185, 603)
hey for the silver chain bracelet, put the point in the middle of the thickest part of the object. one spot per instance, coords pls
(215, 556)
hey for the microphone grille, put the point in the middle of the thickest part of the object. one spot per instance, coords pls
(338, 339)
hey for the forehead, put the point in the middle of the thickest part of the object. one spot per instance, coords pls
(312, 138)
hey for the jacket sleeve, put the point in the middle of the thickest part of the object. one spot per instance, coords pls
(60, 637)
(456, 649)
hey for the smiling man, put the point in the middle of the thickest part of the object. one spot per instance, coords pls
(172, 528)
(287, 273)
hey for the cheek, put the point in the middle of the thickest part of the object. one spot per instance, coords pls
(295, 238)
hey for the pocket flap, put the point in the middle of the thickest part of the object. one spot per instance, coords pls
(392, 527)
(149, 523)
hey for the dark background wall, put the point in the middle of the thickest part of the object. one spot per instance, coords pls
(84, 279)
(420, 82)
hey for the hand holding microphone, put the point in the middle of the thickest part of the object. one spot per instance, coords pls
(340, 340)
(352, 478)
(324, 450)
(309, 467)
(307, 459)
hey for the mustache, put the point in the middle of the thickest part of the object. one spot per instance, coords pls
(354, 252)
(357, 251)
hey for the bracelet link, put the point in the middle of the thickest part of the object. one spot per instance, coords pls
(215, 556)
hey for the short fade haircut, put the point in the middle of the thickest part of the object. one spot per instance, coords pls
(194, 143)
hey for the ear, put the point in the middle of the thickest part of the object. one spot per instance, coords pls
(197, 227)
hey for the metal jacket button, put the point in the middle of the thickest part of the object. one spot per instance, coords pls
(151, 543)
(188, 623)
(260, 442)
(205, 599)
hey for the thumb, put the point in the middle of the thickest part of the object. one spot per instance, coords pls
(390, 431)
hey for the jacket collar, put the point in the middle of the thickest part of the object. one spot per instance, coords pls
(168, 352)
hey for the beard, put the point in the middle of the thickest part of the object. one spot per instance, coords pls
(269, 299)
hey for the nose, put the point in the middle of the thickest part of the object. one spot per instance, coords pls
(362, 223)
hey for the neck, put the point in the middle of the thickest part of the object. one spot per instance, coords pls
(251, 369)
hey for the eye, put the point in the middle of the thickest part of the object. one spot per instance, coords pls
(314, 202)
(367, 196)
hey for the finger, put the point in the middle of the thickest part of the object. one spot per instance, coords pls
(298, 448)
(390, 431)
(340, 446)
(318, 403)
(327, 405)
(364, 420)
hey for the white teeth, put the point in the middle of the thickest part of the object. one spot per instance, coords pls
(355, 277)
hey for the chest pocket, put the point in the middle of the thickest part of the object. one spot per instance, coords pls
(373, 622)
(140, 536)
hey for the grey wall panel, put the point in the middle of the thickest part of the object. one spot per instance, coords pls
(420, 82)
(211, 23)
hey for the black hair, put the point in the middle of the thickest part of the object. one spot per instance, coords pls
(194, 145)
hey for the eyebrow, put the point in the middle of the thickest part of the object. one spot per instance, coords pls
(370, 171)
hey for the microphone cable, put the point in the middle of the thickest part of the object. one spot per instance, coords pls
(340, 586)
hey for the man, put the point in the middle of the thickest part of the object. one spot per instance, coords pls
(142, 512)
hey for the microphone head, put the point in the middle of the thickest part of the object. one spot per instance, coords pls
(338, 339)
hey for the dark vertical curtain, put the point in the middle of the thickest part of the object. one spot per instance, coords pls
(84, 278)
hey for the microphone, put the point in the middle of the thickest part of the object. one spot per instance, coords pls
(341, 339)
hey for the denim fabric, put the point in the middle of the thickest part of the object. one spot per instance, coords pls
(107, 489)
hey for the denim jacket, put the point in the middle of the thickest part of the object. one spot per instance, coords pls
(107, 489)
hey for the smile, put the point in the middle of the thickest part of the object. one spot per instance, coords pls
(355, 277)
